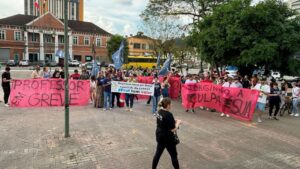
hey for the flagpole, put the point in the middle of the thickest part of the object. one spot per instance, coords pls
(66, 57)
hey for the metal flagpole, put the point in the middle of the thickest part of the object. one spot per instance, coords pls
(66, 57)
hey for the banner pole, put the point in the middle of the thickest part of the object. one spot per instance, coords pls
(66, 58)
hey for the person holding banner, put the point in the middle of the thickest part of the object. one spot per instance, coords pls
(106, 83)
(129, 97)
(166, 127)
(6, 79)
(46, 74)
(191, 80)
(36, 74)
(157, 93)
(115, 94)
(99, 91)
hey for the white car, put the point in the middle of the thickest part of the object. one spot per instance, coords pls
(24, 63)
(74, 63)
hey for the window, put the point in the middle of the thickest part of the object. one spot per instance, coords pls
(77, 57)
(98, 42)
(137, 46)
(47, 38)
(61, 39)
(143, 46)
(34, 37)
(88, 58)
(151, 47)
(75, 40)
(17, 35)
(86, 41)
(2, 35)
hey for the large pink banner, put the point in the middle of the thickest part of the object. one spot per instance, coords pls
(48, 93)
(237, 102)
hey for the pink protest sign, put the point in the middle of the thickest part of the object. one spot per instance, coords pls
(48, 93)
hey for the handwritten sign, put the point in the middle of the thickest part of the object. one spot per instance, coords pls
(48, 92)
(132, 88)
(237, 102)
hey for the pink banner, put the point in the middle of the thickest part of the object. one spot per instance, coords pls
(48, 93)
(237, 102)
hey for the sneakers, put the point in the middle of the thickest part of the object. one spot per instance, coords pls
(110, 108)
(222, 114)
(292, 114)
(187, 110)
(259, 120)
(270, 117)
(127, 109)
(104, 109)
(296, 115)
(6, 105)
(275, 118)
(227, 115)
(130, 110)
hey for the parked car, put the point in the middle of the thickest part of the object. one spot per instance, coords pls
(89, 65)
(74, 63)
(24, 63)
(11, 63)
(52, 64)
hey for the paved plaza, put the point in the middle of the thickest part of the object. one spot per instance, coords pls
(34, 139)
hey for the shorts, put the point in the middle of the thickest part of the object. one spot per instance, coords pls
(260, 106)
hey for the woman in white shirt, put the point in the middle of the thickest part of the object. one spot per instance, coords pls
(296, 99)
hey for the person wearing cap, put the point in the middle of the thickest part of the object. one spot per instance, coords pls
(264, 90)
(6, 79)
(75, 75)
(296, 99)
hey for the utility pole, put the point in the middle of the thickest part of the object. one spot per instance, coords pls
(66, 58)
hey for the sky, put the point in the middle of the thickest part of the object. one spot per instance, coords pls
(114, 16)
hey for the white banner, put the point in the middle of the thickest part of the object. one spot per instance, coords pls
(132, 88)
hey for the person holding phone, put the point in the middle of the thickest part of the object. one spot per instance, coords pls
(165, 129)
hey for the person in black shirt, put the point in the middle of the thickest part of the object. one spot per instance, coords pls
(6, 84)
(115, 94)
(166, 126)
(274, 100)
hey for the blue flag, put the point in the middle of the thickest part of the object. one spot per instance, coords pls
(158, 62)
(118, 56)
(165, 69)
(95, 69)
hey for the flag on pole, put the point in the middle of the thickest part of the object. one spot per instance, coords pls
(165, 69)
(158, 62)
(36, 4)
(118, 56)
(95, 69)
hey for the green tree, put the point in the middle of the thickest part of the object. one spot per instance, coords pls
(238, 33)
(113, 45)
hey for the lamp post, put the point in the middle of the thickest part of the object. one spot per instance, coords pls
(66, 69)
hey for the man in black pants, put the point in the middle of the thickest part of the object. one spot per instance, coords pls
(6, 84)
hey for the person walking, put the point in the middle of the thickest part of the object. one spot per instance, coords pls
(165, 129)
(6, 79)
(274, 100)
(157, 93)
(296, 99)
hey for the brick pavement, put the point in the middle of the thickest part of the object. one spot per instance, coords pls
(34, 139)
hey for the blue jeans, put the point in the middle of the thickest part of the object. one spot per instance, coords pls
(107, 100)
(129, 100)
(155, 100)
(295, 106)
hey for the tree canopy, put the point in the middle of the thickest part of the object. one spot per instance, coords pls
(238, 33)
(113, 45)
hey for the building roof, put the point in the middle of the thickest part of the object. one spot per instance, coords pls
(78, 26)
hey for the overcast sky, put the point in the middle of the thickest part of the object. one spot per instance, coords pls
(115, 16)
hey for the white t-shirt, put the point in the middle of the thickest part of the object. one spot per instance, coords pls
(188, 81)
(262, 98)
(226, 84)
(296, 92)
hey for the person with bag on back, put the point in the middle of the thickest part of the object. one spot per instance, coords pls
(166, 136)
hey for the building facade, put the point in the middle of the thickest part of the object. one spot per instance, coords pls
(140, 45)
(24, 37)
(294, 4)
(56, 7)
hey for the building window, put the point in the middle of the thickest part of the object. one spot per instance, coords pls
(86, 41)
(98, 42)
(77, 57)
(88, 58)
(17, 35)
(2, 35)
(143, 46)
(61, 39)
(137, 46)
(75, 40)
(34, 37)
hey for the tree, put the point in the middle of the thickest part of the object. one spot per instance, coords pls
(238, 33)
(113, 45)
